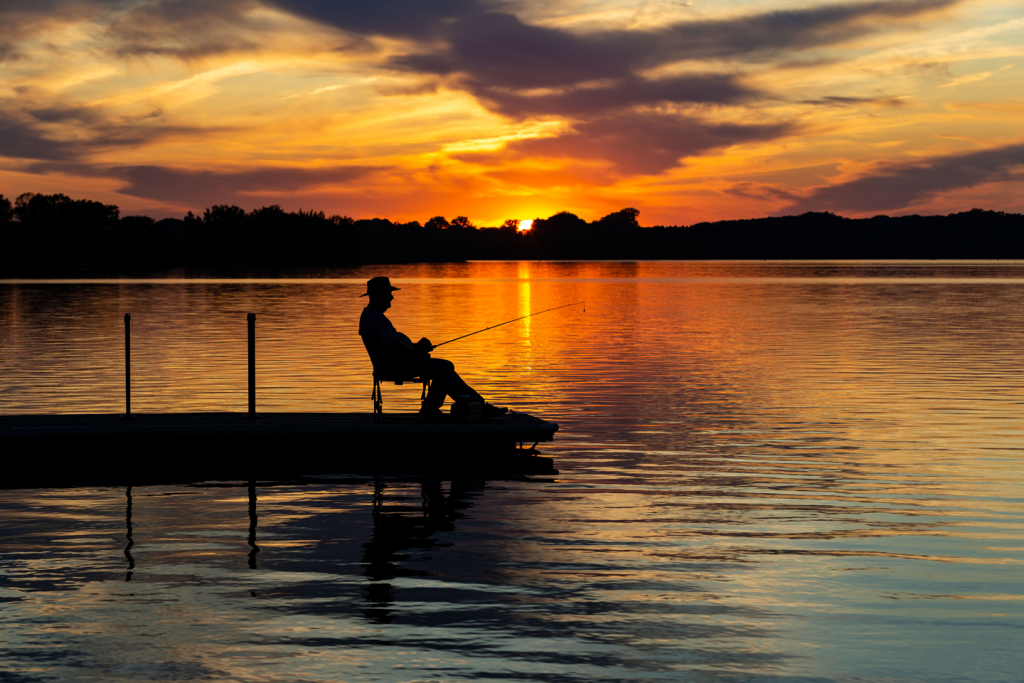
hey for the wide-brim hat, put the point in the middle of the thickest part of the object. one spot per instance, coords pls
(379, 285)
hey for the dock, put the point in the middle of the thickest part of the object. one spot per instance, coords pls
(132, 448)
(243, 446)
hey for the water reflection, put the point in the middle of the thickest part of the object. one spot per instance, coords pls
(128, 534)
(400, 528)
(253, 519)
(770, 472)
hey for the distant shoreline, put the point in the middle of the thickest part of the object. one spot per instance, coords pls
(55, 232)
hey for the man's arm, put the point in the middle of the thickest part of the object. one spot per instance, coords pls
(403, 347)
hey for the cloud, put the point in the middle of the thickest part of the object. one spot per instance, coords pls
(895, 187)
(23, 20)
(503, 61)
(621, 94)
(194, 29)
(19, 139)
(618, 116)
(761, 191)
(33, 127)
(637, 142)
(839, 101)
(206, 188)
(502, 51)
(975, 78)
(186, 29)
(417, 19)
(183, 29)
(521, 71)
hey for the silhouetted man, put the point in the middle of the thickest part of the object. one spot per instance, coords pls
(393, 353)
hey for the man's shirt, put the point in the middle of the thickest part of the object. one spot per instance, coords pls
(374, 324)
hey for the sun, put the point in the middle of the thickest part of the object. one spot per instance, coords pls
(524, 226)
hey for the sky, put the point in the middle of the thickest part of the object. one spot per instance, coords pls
(406, 109)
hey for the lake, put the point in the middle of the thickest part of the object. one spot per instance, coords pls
(769, 471)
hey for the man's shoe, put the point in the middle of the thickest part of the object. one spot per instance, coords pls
(489, 411)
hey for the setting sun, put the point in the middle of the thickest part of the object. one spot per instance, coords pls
(525, 225)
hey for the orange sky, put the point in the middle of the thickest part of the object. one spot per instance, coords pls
(491, 109)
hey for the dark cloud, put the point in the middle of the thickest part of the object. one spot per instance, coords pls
(836, 101)
(896, 187)
(206, 188)
(33, 128)
(617, 95)
(19, 139)
(500, 50)
(760, 191)
(764, 35)
(56, 113)
(418, 19)
(519, 70)
(639, 142)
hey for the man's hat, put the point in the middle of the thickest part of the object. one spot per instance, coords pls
(379, 285)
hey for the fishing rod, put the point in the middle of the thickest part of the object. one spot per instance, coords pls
(512, 321)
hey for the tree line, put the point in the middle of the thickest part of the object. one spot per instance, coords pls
(40, 228)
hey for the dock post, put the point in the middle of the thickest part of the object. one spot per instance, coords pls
(128, 364)
(252, 364)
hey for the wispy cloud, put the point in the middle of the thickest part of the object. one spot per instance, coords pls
(975, 78)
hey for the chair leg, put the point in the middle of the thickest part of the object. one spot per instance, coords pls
(378, 400)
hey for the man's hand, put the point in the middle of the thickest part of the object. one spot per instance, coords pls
(424, 345)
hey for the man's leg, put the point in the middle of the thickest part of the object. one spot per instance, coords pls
(444, 381)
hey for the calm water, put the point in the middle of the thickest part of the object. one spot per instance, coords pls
(769, 472)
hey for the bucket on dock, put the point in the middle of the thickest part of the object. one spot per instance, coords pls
(465, 411)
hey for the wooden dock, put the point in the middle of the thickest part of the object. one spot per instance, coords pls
(240, 446)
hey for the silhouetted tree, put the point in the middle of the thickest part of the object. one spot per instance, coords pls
(58, 227)
(137, 223)
(58, 211)
(222, 214)
(562, 222)
(132, 238)
(625, 218)
(461, 223)
(436, 223)
(268, 215)
(564, 235)
(6, 210)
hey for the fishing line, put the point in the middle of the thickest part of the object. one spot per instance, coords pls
(574, 303)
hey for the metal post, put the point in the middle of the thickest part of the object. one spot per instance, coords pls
(252, 364)
(127, 363)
